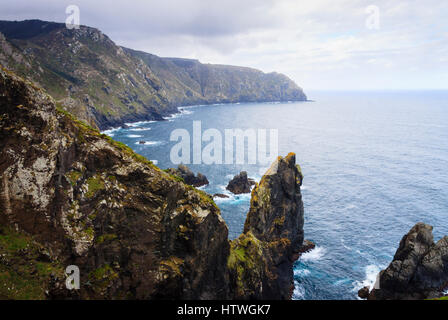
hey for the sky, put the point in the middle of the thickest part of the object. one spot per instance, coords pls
(320, 44)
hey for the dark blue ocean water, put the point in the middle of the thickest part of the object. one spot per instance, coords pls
(375, 163)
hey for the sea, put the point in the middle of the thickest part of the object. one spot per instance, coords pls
(374, 164)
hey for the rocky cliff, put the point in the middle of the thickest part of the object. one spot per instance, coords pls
(261, 259)
(419, 269)
(106, 85)
(72, 196)
(185, 173)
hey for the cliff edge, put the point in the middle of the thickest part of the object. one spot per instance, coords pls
(419, 269)
(72, 196)
(75, 197)
(261, 259)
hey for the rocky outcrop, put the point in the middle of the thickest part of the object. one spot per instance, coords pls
(419, 269)
(188, 176)
(106, 85)
(307, 246)
(71, 196)
(261, 259)
(220, 195)
(240, 183)
(84, 71)
(364, 292)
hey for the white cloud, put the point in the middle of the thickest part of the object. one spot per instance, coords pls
(321, 44)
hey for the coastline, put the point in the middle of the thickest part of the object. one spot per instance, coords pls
(169, 116)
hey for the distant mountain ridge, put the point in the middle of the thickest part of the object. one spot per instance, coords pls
(108, 85)
(190, 82)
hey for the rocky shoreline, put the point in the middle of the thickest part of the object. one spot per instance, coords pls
(419, 269)
(73, 196)
(70, 195)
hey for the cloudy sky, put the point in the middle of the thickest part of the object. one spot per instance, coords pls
(321, 44)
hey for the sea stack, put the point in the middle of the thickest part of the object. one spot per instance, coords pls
(419, 269)
(261, 259)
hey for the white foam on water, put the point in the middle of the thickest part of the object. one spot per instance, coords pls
(341, 281)
(138, 123)
(299, 291)
(134, 136)
(155, 161)
(148, 143)
(140, 129)
(301, 272)
(371, 272)
(182, 112)
(185, 111)
(231, 197)
(110, 132)
(316, 254)
(218, 199)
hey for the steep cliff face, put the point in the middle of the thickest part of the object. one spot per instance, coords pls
(190, 82)
(84, 70)
(106, 85)
(419, 269)
(70, 196)
(261, 259)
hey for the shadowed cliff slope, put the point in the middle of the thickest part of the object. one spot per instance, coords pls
(419, 269)
(262, 258)
(72, 196)
(189, 82)
(107, 85)
(82, 199)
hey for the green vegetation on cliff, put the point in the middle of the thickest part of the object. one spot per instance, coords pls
(25, 267)
(89, 201)
(106, 85)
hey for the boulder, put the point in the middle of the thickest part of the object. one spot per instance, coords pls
(188, 176)
(240, 183)
(419, 269)
(363, 293)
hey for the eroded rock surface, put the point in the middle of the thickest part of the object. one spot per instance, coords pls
(107, 85)
(72, 196)
(188, 176)
(419, 269)
(262, 257)
(240, 183)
